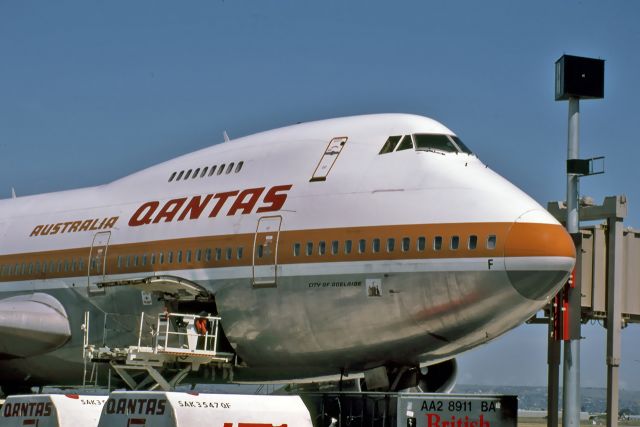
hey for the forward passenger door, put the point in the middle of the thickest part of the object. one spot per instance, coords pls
(97, 262)
(265, 251)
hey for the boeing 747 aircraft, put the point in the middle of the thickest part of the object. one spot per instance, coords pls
(333, 247)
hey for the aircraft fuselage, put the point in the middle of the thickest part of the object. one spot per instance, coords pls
(323, 255)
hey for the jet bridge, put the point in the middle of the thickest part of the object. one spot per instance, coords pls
(169, 347)
(607, 277)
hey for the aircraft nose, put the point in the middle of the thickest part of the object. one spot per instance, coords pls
(539, 255)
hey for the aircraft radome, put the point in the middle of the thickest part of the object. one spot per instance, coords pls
(333, 247)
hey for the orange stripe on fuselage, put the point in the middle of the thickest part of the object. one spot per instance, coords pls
(525, 239)
(531, 239)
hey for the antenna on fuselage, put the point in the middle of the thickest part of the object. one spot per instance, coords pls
(13, 193)
(226, 137)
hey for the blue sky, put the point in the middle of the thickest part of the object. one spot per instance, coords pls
(91, 91)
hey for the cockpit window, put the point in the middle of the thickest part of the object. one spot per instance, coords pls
(424, 142)
(390, 145)
(461, 145)
(406, 143)
(435, 142)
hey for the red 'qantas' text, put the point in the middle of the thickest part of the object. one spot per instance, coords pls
(233, 202)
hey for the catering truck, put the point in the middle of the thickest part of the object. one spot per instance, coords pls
(176, 409)
(51, 410)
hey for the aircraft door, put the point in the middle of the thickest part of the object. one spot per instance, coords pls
(328, 159)
(265, 251)
(97, 263)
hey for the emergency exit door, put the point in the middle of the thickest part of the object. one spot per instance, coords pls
(97, 262)
(265, 251)
(328, 159)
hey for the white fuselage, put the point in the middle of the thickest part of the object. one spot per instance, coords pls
(320, 258)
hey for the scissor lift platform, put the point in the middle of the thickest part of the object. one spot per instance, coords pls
(176, 349)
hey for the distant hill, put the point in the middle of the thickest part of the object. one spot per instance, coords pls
(594, 400)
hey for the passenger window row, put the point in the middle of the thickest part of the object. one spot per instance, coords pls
(376, 245)
(123, 262)
(57, 266)
(208, 255)
(206, 171)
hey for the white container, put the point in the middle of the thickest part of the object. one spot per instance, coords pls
(51, 410)
(169, 409)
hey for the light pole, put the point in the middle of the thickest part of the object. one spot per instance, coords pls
(576, 78)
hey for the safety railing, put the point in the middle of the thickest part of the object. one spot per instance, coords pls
(181, 333)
